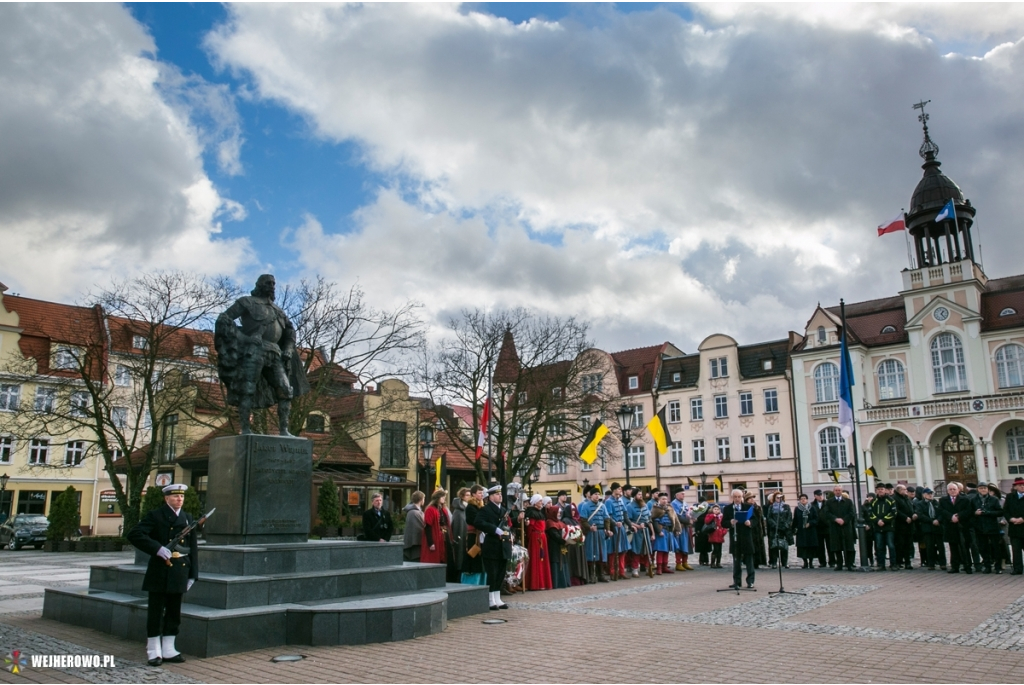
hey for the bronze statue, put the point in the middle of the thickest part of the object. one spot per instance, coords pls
(257, 362)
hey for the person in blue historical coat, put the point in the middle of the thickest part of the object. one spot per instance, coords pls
(592, 516)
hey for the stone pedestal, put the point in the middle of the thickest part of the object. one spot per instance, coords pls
(260, 485)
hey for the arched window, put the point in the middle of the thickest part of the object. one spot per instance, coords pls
(1008, 311)
(901, 455)
(822, 338)
(888, 329)
(1010, 365)
(891, 384)
(831, 449)
(1015, 443)
(948, 363)
(826, 382)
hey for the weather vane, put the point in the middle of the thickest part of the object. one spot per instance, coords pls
(927, 146)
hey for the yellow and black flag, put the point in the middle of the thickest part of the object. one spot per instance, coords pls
(718, 483)
(588, 452)
(834, 475)
(870, 471)
(658, 428)
(690, 482)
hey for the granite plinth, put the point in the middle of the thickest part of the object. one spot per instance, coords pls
(260, 485)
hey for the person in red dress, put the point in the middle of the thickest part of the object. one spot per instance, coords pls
(538, 574)
(436, 530)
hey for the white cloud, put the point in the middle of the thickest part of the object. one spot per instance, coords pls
(620, 169)
(101, 167)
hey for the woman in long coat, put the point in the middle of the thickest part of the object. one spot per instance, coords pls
(805, 523)
(780, 529)
(758, 531)
(458, 535)
(559, 554)
(538, 573)
(473, 567)
(436, 530)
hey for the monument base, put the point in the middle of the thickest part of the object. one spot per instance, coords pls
(261, 486)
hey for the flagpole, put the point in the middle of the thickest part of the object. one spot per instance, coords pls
(490, 444)
(862, 543)
(906, 239)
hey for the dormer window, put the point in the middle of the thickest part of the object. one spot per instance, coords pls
(766, 365)
(634, 382)
(677, 377)
(822, 336)
(888, 329)
(139, 342)
(1008, 311)
(64, 358)
(556, 393)
(719, 367)
(200, 351)
(315, 423)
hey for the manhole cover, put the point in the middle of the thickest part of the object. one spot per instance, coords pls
(823, 592)
(492, 621)
(286, 658)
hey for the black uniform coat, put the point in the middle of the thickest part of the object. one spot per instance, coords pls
(490, 517)
(844, 536)
(988, 522)
(964, 510)
(154, 531)
(927, 512)
(806, 526)
(1013, 508)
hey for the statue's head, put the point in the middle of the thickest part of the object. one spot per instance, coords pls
(265, 285)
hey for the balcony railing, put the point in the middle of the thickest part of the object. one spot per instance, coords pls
(980, 404)
(825, 409)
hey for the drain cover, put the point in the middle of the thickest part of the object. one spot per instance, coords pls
(285, 658)
(492, 621)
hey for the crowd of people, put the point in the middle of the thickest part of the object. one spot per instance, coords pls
(542, 543)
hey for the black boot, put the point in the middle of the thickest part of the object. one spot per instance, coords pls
(284, 411)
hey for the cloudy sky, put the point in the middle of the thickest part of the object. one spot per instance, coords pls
(665, 171)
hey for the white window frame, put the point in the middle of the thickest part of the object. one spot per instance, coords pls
(122, 376)
(721, 406)
(637, 457)
(949, 369)
(674, 412)
(675, 451)
(8, 443)
(10, 397)
(74, 452)
(822, 335)
(592, 383)
(774, 441)
(39, 451)
(1015, 444)
(64, 358)
(119, 417)
(892, 383)
(201, 351)
(638, 416)
(746, 403)
(771, 401)
(826, 382)
(558, 465)
(78, 403)
(697, 450)
(139, 342)
(1010, 365)
(901, 452)
(723, 449)
(634, 382)
(749, 448)
(719, 367)
(46, 399)
(696, 408)
(831, 449)
(677, 377)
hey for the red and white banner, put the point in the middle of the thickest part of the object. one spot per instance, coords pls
(897, 224)
(485, 420)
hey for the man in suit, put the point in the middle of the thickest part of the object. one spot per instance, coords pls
(842, 519)
(1013, 510)
(377, 523)
(955, 512)
(173, 568)
(825, 554)
(496, 550)
(737, 518)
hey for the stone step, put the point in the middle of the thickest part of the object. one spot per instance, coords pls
(304, 557)
(222, 591)
(208, 631)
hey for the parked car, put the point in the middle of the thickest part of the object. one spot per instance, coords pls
(22, 530)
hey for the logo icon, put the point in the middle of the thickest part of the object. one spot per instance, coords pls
(15, 661)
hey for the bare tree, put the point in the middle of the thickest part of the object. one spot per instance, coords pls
(539, 406)
(122, 383)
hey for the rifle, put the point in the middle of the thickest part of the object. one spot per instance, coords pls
(180, 537)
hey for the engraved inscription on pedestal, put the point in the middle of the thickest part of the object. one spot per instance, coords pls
(262, 484)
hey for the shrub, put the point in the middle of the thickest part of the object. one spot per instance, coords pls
(64, 517)
(328, 505)
(152, 500)
(192, 506)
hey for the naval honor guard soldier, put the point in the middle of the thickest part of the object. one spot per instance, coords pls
(173, 568)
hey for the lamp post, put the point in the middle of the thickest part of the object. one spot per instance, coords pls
(427, 441)
(3, 493)
(586, 484)
(624, 414)
(703, 485)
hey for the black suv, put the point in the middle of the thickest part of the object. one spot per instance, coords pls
(24, 529)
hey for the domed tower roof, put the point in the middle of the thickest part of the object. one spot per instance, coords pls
(935, 189)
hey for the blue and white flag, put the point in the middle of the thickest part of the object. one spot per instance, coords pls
(947, 213)
(845, 390)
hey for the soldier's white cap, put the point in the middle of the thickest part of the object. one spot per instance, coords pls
(175, 489)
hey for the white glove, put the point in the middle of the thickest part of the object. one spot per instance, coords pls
(163, 553)
(191, 582)
(499, 532)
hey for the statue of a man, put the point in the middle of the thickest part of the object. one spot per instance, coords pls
(257, 362)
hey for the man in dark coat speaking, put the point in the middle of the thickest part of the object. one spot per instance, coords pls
(842, 520)
(173, 568)
(737, 517)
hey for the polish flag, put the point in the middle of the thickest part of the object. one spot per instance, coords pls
(485, 420)
(897, 224)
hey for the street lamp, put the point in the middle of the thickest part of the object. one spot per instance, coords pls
(3, 488)
(586, 484)
(427, 441)
(625, 418)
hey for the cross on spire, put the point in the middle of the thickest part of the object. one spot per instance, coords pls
(928, 146)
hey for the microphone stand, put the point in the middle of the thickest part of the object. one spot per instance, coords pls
(778, 560)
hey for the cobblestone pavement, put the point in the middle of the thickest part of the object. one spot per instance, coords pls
(849, 627)
(25, 574)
